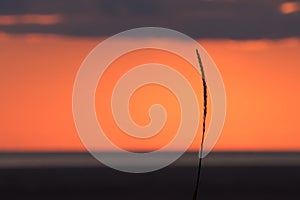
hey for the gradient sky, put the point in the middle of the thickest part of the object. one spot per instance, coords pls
(43, 45)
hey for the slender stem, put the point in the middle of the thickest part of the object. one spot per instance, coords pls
(203, 126)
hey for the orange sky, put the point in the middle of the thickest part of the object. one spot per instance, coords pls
(37, 73)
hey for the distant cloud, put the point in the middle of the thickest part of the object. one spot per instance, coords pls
(30, 19)
(290, 7)
(235, 19)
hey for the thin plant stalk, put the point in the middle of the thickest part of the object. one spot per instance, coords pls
(203, 125)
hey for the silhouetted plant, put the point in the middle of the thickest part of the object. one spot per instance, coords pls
(203, 124)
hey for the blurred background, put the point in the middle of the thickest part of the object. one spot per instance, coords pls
(255, 44)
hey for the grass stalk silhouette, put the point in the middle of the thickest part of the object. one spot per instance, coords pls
(203, 125)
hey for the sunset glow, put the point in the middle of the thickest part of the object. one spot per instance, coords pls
(37, 73)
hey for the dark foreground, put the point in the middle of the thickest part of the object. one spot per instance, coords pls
(78, 176)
